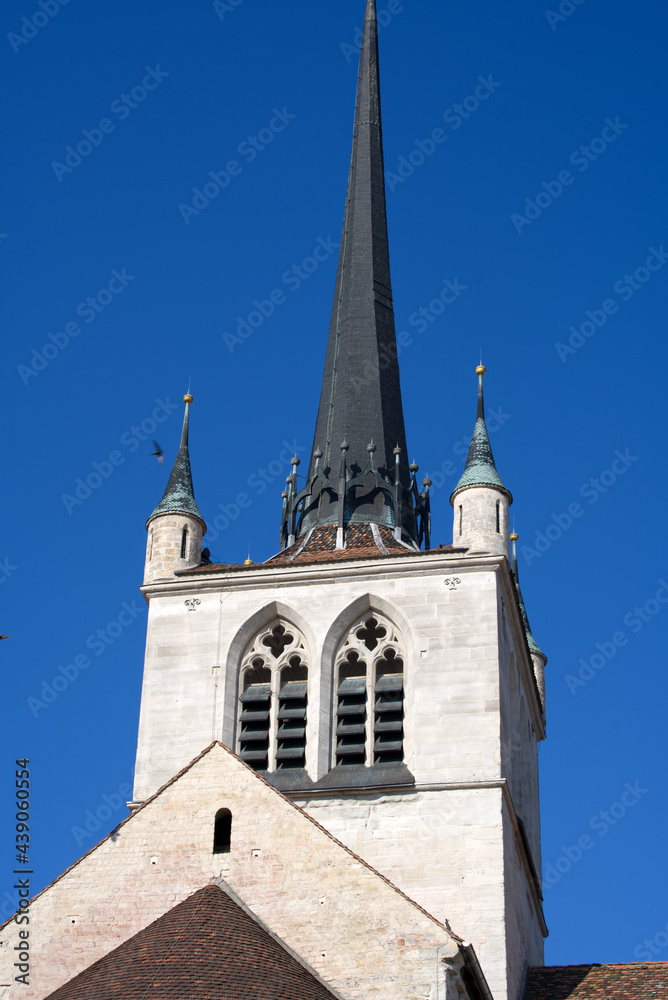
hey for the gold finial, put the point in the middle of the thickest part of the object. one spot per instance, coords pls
(249, 561)
(514, 537)
(187, 398)
(481, 370)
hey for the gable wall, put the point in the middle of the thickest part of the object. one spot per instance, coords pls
(343, 920)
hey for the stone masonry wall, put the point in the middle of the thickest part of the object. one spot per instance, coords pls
(450, 613)
(347, 923)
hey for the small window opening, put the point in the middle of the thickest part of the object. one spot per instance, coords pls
(388, 726)
(370, 633)
(498, 515)
(351, 710)
(292, 705)
(255, 716)
(278, 641)
(461, 519)
(184, 542)
(222, 832)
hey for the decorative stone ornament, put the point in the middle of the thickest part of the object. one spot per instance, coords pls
(452, 582)
(192, 604)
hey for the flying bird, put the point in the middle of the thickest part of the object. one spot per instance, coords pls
(159, 453)
(5, 636)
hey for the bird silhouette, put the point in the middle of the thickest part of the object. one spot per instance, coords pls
(5, 636)
(159, 453)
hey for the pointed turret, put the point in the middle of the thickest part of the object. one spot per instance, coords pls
(176, 527)
(360, 402)
(480, 469)
(537, 655)
(179, 496)
(480, 500)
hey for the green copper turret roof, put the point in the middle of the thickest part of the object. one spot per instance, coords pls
(179, 497)
(531, 642)
(480, 469)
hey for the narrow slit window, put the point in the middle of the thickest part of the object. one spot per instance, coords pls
(292, 705)
(222, 832)
(498, 515)
(184, 542)
(388, 727)
(254, 721)
(351, 712)
(461, 519)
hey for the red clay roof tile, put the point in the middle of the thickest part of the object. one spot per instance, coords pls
(206, 948)
(635, 981)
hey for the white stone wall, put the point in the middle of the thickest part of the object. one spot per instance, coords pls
(466, 676)
(350, 926)
(475, 520)
(165, 542)
(444, 848)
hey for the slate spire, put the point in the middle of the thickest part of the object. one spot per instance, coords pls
(179, 497)
(531, 642)
(480, 469)
(360, 402)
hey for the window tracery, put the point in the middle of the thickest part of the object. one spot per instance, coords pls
(369, 684)
(274, 699)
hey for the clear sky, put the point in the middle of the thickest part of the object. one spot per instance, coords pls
(128, 268)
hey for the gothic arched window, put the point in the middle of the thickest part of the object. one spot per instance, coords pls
(273, 699)
(369, 679)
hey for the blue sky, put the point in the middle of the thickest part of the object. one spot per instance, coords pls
(541, 200)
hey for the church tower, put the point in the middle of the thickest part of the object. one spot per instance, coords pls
(394, 692)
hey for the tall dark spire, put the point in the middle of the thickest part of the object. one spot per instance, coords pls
(480, 469)
(179, 497)
(360, 403)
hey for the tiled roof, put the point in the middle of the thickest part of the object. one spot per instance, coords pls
(320, 547)
(635, 981)
(206, 948)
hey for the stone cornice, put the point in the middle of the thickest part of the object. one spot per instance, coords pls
(269, 576)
